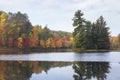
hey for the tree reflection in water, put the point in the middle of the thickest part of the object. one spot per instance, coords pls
(89, 70)
(23, 70)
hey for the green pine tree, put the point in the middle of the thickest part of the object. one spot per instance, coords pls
(100, 34)
(79, 33)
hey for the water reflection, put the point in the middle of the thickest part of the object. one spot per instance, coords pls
(91, 70)
(19, 70)
(24, 70)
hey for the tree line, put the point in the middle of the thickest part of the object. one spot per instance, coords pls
(16, 30)
(90, 35)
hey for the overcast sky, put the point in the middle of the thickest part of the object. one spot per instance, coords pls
(58, 14)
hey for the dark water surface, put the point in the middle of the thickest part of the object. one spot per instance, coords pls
(60, 66)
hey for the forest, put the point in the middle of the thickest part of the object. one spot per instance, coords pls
(16, 31)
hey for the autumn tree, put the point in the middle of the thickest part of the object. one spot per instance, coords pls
(117, 42)
(42, 44)
(20, 42)
(59, 43)
(10, 42)
(26, 42)
(3, 20)
(17, 24)
(34, 39)
(49, 43)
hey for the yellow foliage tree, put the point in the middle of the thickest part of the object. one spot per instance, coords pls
(49, 42)
(42, 43)
(20, 42)
(34, 38)
(53, 43)
(3, 18)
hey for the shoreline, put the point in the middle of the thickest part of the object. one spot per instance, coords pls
(16, 50)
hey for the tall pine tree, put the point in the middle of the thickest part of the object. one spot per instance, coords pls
(100, 34)
(88, 28)
(79, 33)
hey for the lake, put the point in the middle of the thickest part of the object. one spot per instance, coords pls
(60, 66)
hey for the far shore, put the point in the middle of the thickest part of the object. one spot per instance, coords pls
(16, 50)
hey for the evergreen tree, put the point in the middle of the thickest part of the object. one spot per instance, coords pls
(89, 35)
(100, 34)
(81, 40)
(79, 33)
(89, 40)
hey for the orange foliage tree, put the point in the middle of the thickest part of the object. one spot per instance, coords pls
(34, 40)
(42, 43)
(59, 43)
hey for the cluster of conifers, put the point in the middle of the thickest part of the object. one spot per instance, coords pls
(90, 35)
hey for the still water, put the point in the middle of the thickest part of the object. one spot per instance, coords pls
(60, 66)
